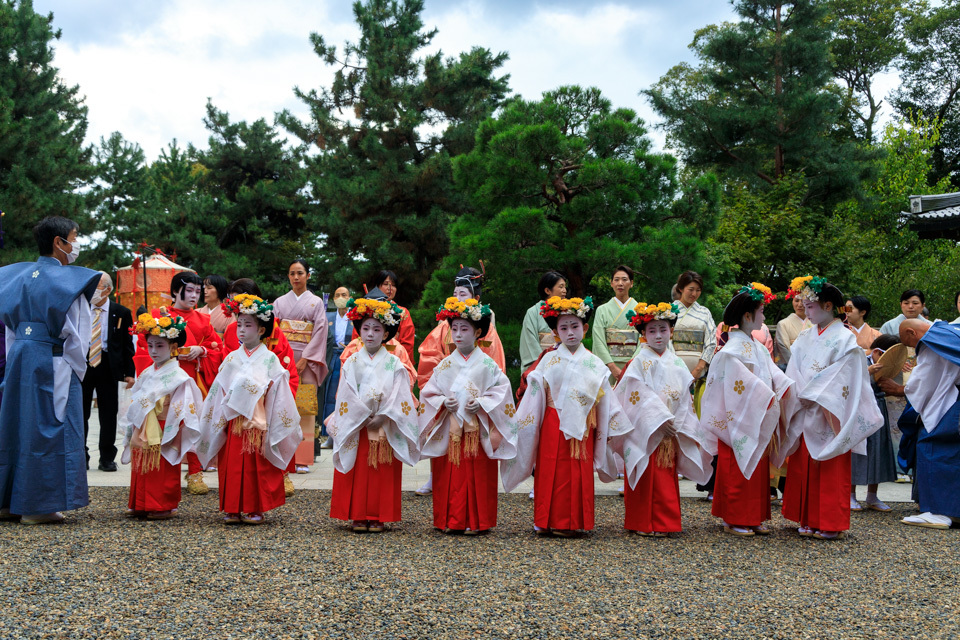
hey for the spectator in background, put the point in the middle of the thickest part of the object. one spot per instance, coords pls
(214, 293)
(878, 465)
(339, 330)
(925, 313)
(109, 361)
(858, 310)
(535, 336)
(911, 306)
(787, 331)
(388, 283)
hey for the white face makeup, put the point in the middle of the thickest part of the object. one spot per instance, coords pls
(752, 321)
(816, 314)
(188, 296)
(570, 331)
(372, 334)
(657, 335)
(249, 331)
(159, 349)
(462, 293)
(463, 336)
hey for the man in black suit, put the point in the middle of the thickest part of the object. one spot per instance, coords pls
(109, 361)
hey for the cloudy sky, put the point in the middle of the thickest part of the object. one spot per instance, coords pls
(147, 68)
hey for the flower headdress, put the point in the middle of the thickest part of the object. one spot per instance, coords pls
(806, 287)
(644, 313)
(758, 292)
(557, 306)
(384, 311)
(166, 326)
(469, 309)
(248, 304)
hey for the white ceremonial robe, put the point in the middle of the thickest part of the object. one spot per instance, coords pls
(181, 429)
(235, 393)
(576, 380)
(476, 376)
(834, 408)
(654, 390)
(742, 404)
(371, 386)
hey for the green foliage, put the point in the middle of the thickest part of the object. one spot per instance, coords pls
(868, 37)
(569, 183)
(43, 161)
(930, 80)
(235, 209)
(761, 104)
(882, 256)
(382, 179)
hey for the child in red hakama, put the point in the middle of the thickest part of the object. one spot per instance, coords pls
(162, 423)
(741, 415)
(665, 435)
(250, 418)
(465, 410)
(374, 428)
(837, 413)
(563, 422)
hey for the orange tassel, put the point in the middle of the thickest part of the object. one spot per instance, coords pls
(667, 453)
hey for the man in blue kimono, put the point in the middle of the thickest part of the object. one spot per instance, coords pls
(932, 392)
(45, 306)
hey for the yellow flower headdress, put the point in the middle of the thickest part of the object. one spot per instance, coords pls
(165, 326)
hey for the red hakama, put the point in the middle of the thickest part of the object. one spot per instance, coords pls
(817, 494)
(249, 483)
(740, 501)
(654, 505)
(365, 493)
(154, 490)
(465, 495)
(563, 485)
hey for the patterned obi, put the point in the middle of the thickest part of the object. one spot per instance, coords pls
(297, 330)
(547, 341)
(688, 343)
(622, 343)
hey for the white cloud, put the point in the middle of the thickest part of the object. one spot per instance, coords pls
(152, 85)
(149, 74)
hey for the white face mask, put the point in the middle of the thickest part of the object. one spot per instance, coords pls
(74, 252)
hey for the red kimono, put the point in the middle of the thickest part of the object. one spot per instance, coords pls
(203, 370)
(815, 491)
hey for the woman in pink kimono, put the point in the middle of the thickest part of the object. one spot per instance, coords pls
(303, 320)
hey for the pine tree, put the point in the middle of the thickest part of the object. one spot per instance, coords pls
(762, 104)
(43, 161)
(385, 132)
(570, 183)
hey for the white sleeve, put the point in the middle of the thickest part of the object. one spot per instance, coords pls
(76, 337)
(932, 387)
(11, 337)
(77, 329)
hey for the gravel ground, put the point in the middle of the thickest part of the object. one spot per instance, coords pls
(304, 575)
